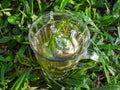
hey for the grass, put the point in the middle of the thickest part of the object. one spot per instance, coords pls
(20, 71)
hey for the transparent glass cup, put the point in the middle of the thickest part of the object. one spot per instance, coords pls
(59, 40)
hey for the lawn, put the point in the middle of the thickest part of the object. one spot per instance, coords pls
(19, 69)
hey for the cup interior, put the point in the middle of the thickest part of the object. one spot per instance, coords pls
(60, 37)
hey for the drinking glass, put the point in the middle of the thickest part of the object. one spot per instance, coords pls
(59, 40)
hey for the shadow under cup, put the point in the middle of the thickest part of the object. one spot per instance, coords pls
(59, 41)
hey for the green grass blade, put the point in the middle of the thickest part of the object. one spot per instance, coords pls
(114, 87)
(116, 10)
(63, 4)
(3, 68)
(5, 39)
(119, 32)
(107, 74)
(39, 5)
(21, 80)
(31, 5)
(88, 12)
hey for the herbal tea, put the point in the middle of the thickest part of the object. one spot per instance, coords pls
(59, 41)
(59, 47)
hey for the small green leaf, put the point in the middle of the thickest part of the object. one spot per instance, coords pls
(7, 13)
(2, 58)
(5, 39)
(34, 17)
(18, 38)
(13, 19)
(9, 58)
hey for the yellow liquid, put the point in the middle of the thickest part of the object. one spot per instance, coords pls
(55, 68)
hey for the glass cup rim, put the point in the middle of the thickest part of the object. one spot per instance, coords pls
(45, 58)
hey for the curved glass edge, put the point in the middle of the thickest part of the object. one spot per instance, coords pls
(59, 60)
